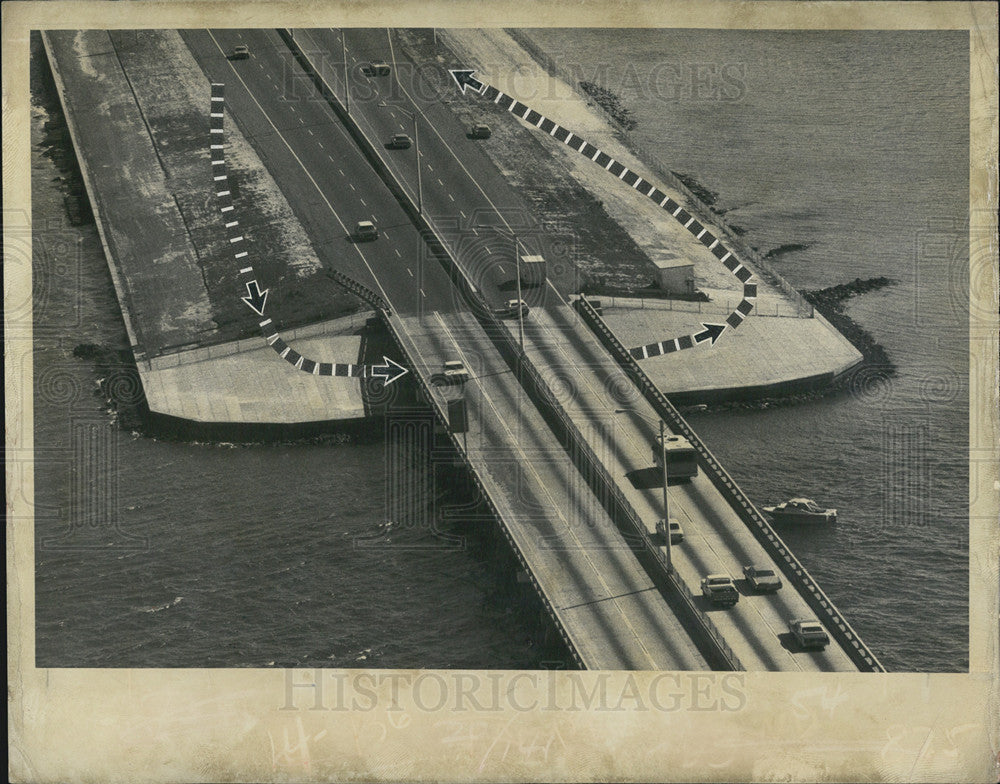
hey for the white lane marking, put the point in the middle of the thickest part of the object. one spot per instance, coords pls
(396, 251)
(422, 293)
(364, 202)
(410, 271)
(525, 461)
(320, 145)
(451, 197)
(309, 131)
(304, 169)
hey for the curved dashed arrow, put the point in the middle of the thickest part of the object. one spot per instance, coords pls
(466, 80)
(256, 299)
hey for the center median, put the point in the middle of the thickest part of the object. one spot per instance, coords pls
(699, 625)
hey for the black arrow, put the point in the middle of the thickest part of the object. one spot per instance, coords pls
(714, 244)
(711, 332)
(464, 78)
(255, 299)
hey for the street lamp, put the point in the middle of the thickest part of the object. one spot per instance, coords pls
(663, 463)
(416, 148)
(517, 265)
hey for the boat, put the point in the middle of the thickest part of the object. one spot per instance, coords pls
(801, 510)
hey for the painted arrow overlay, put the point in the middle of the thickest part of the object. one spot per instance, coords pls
(256, 299)
(466, 80)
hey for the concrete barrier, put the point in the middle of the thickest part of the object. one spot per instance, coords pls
(579, 450)
(399, 336)
(796, 573)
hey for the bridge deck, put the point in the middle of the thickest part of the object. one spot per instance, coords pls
(609, 606)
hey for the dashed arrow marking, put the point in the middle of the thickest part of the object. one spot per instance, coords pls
(465, 79)
(256, 299)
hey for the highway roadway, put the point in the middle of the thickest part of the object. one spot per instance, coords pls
(460, 182)
(324, 177)
(615, 615)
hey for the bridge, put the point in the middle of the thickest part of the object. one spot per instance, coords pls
(559, 417)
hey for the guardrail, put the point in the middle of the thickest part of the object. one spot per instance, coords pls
(603, 485)
(818, 601)
(359, 290)
(398, 335)
(719, 306)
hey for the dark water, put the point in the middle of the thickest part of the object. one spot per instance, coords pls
(855, 145)
(221, 555)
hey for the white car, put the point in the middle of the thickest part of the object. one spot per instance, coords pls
(809, 633)
(455, 372)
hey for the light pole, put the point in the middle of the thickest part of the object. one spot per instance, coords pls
(517, 266)
(347, 82)
(663, 464)
(416, 148)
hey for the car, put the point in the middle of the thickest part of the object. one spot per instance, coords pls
(455, 372)
(720, 589)
(512, 308)
(240, 53)
(761, 580)
(480, 131)
(399, 141)
(365, 230)
(676, 531)
(809, 633)
(377, 68)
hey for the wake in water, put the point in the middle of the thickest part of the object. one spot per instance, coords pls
(177, 600)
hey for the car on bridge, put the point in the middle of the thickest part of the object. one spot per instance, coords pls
(720, 589)
(809, 633)
(512, 308)
(399, 141)
(761, 580)
(365, 231)
(676, 531)
(454, 372)
(240, 53)
(377, 68)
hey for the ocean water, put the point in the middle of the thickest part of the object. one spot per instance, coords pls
(854, 144)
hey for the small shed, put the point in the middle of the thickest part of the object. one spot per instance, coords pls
(674, 274)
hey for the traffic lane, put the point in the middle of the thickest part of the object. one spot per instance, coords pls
(471, 174)
(379, 119)
(343, 170)
(777, 609)
(501, 402)
(562, 583)
(307, 158)
(450, 194)
(743, 628)
(722, 532)
(720, 528)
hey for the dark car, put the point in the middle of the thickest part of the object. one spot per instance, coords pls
(480, 131)
(240, 53)
(377, 68)
(399, 141)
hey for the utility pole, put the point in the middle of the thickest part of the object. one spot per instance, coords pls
(666, 508)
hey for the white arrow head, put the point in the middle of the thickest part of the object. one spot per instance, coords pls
(463, 78)
(393, 370)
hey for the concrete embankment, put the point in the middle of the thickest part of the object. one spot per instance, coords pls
(136, 105)
(785, 347)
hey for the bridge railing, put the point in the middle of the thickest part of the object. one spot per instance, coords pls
(485, 486)
(605, 487)
(818, 601)
(601, 481)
